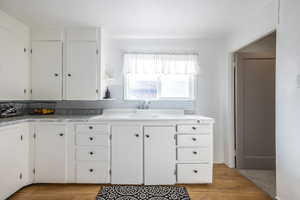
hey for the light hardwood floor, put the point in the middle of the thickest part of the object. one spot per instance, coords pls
(228, 185)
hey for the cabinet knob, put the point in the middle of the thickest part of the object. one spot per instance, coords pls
(194, 128)
(194, 139)
(147, 136)
(55, 74)
(91, 153)
(195, 171)
(91, 127)
(137, 135)
(69, 75)
(91, 170)
(91, 138)
(61, 134)
(195, 152)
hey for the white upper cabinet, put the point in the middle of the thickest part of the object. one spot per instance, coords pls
(50, 154)
(14, 59)
(46, 70)
(159, 155)
(81, 70)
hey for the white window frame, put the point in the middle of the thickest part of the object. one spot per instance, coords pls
(192, 90)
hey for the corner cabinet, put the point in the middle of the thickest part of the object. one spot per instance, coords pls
(14, 156)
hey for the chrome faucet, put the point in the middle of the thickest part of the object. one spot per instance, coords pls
(144, 105)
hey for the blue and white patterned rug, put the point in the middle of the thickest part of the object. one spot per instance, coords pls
(143, 193)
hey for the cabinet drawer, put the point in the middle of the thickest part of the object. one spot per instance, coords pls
(97, 128)
(92, 139)
(193, 140)
(194, 173)
(193, 155)
(92, 154)
(194, 128)
(92, 172)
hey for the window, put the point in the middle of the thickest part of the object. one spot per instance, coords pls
(159, 76)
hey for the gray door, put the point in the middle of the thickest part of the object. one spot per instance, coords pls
(255, 111)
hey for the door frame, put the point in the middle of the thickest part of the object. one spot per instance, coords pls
(230, 115)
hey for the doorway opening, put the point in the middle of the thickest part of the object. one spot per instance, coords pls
(254, 112)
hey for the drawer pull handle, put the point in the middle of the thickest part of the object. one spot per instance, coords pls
(194, 128)
(91, 153)
(195, 152)
(90, 127)
(194, 139)
(195, 171)
(91, 170)
(61, 134)
(137, 135)
(91, 138)
(147, 136)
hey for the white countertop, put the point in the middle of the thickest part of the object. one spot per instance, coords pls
(111, 115)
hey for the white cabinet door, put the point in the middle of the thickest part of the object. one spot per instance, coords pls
(14, 156)
(81, 72)
(50, 154)
(127, 154)
(46, 70)
(14, 63)
(159, 155)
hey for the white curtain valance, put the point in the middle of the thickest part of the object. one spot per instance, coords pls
(135, 63)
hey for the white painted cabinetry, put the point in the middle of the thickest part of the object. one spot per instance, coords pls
(14, 59)
(82, 62)
(14, 156)
(46, 76)
(92, 153)
(127, 154)
(117, 152)
(50, 153)
(194, 153)
(159, 155)
(65, 68)
(143, 154)
(81, 70)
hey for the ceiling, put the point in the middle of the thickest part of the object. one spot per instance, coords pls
(138, 18)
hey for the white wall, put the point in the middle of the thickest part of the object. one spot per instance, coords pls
(212, 62)
(261, 23)
(288, 101)
(14, 62)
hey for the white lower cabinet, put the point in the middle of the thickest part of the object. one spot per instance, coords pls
(194, 153)
(127, 154)
(143, 155)
(50, 153)
(14, 156)
(159, 155)
(92, 172)
(194, 173)
(92, 153)
(111, 152)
